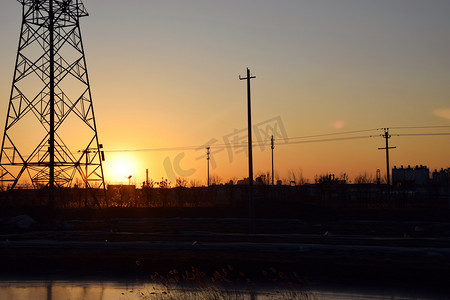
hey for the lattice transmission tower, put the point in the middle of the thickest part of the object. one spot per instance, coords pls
(50, 138)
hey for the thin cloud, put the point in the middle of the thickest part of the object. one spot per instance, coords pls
(442, 113)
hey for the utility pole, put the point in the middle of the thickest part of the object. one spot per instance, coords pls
(387, 136)
(208, 157)
(272, 146)
(250, 153)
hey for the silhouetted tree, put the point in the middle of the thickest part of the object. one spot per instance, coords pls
(233, 180)
(263, 177)
(78, 182)
(181, 182)
(325, 178)
(194, 183)
(297, 177)
(149, 184)
(344, 178)
(363, 178)
(164, 183)
(215, 180)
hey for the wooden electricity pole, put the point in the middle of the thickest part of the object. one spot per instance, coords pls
(387, 136)
(250, 154)
(272, 146)
(208, 157)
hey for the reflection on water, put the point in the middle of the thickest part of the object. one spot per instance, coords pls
(77, 290)
(65, 290)
(56, 290)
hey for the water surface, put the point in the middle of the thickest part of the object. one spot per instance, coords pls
(99, 290)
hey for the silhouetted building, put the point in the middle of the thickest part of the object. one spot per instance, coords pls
(421, 175)
(408, 177)
(441, 177)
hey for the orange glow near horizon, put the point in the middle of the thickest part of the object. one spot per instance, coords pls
(157, 107)
(119, 166)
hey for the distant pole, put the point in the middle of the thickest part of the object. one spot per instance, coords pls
(387, 136)
(272, 146)
(208, 157)
(250, 153)
(146, 178)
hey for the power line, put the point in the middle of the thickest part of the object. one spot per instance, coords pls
(157, 149)
(423, 134)
(291, 140)
(231, 146)
(418, 127)
(330, 140)
(331, 134)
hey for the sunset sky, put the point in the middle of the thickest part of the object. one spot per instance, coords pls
(165, 80)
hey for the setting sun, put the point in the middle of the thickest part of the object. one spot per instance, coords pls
(118, 168)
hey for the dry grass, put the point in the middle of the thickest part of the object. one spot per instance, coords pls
(226, 283)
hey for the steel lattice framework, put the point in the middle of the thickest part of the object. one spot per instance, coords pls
(50, 136)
